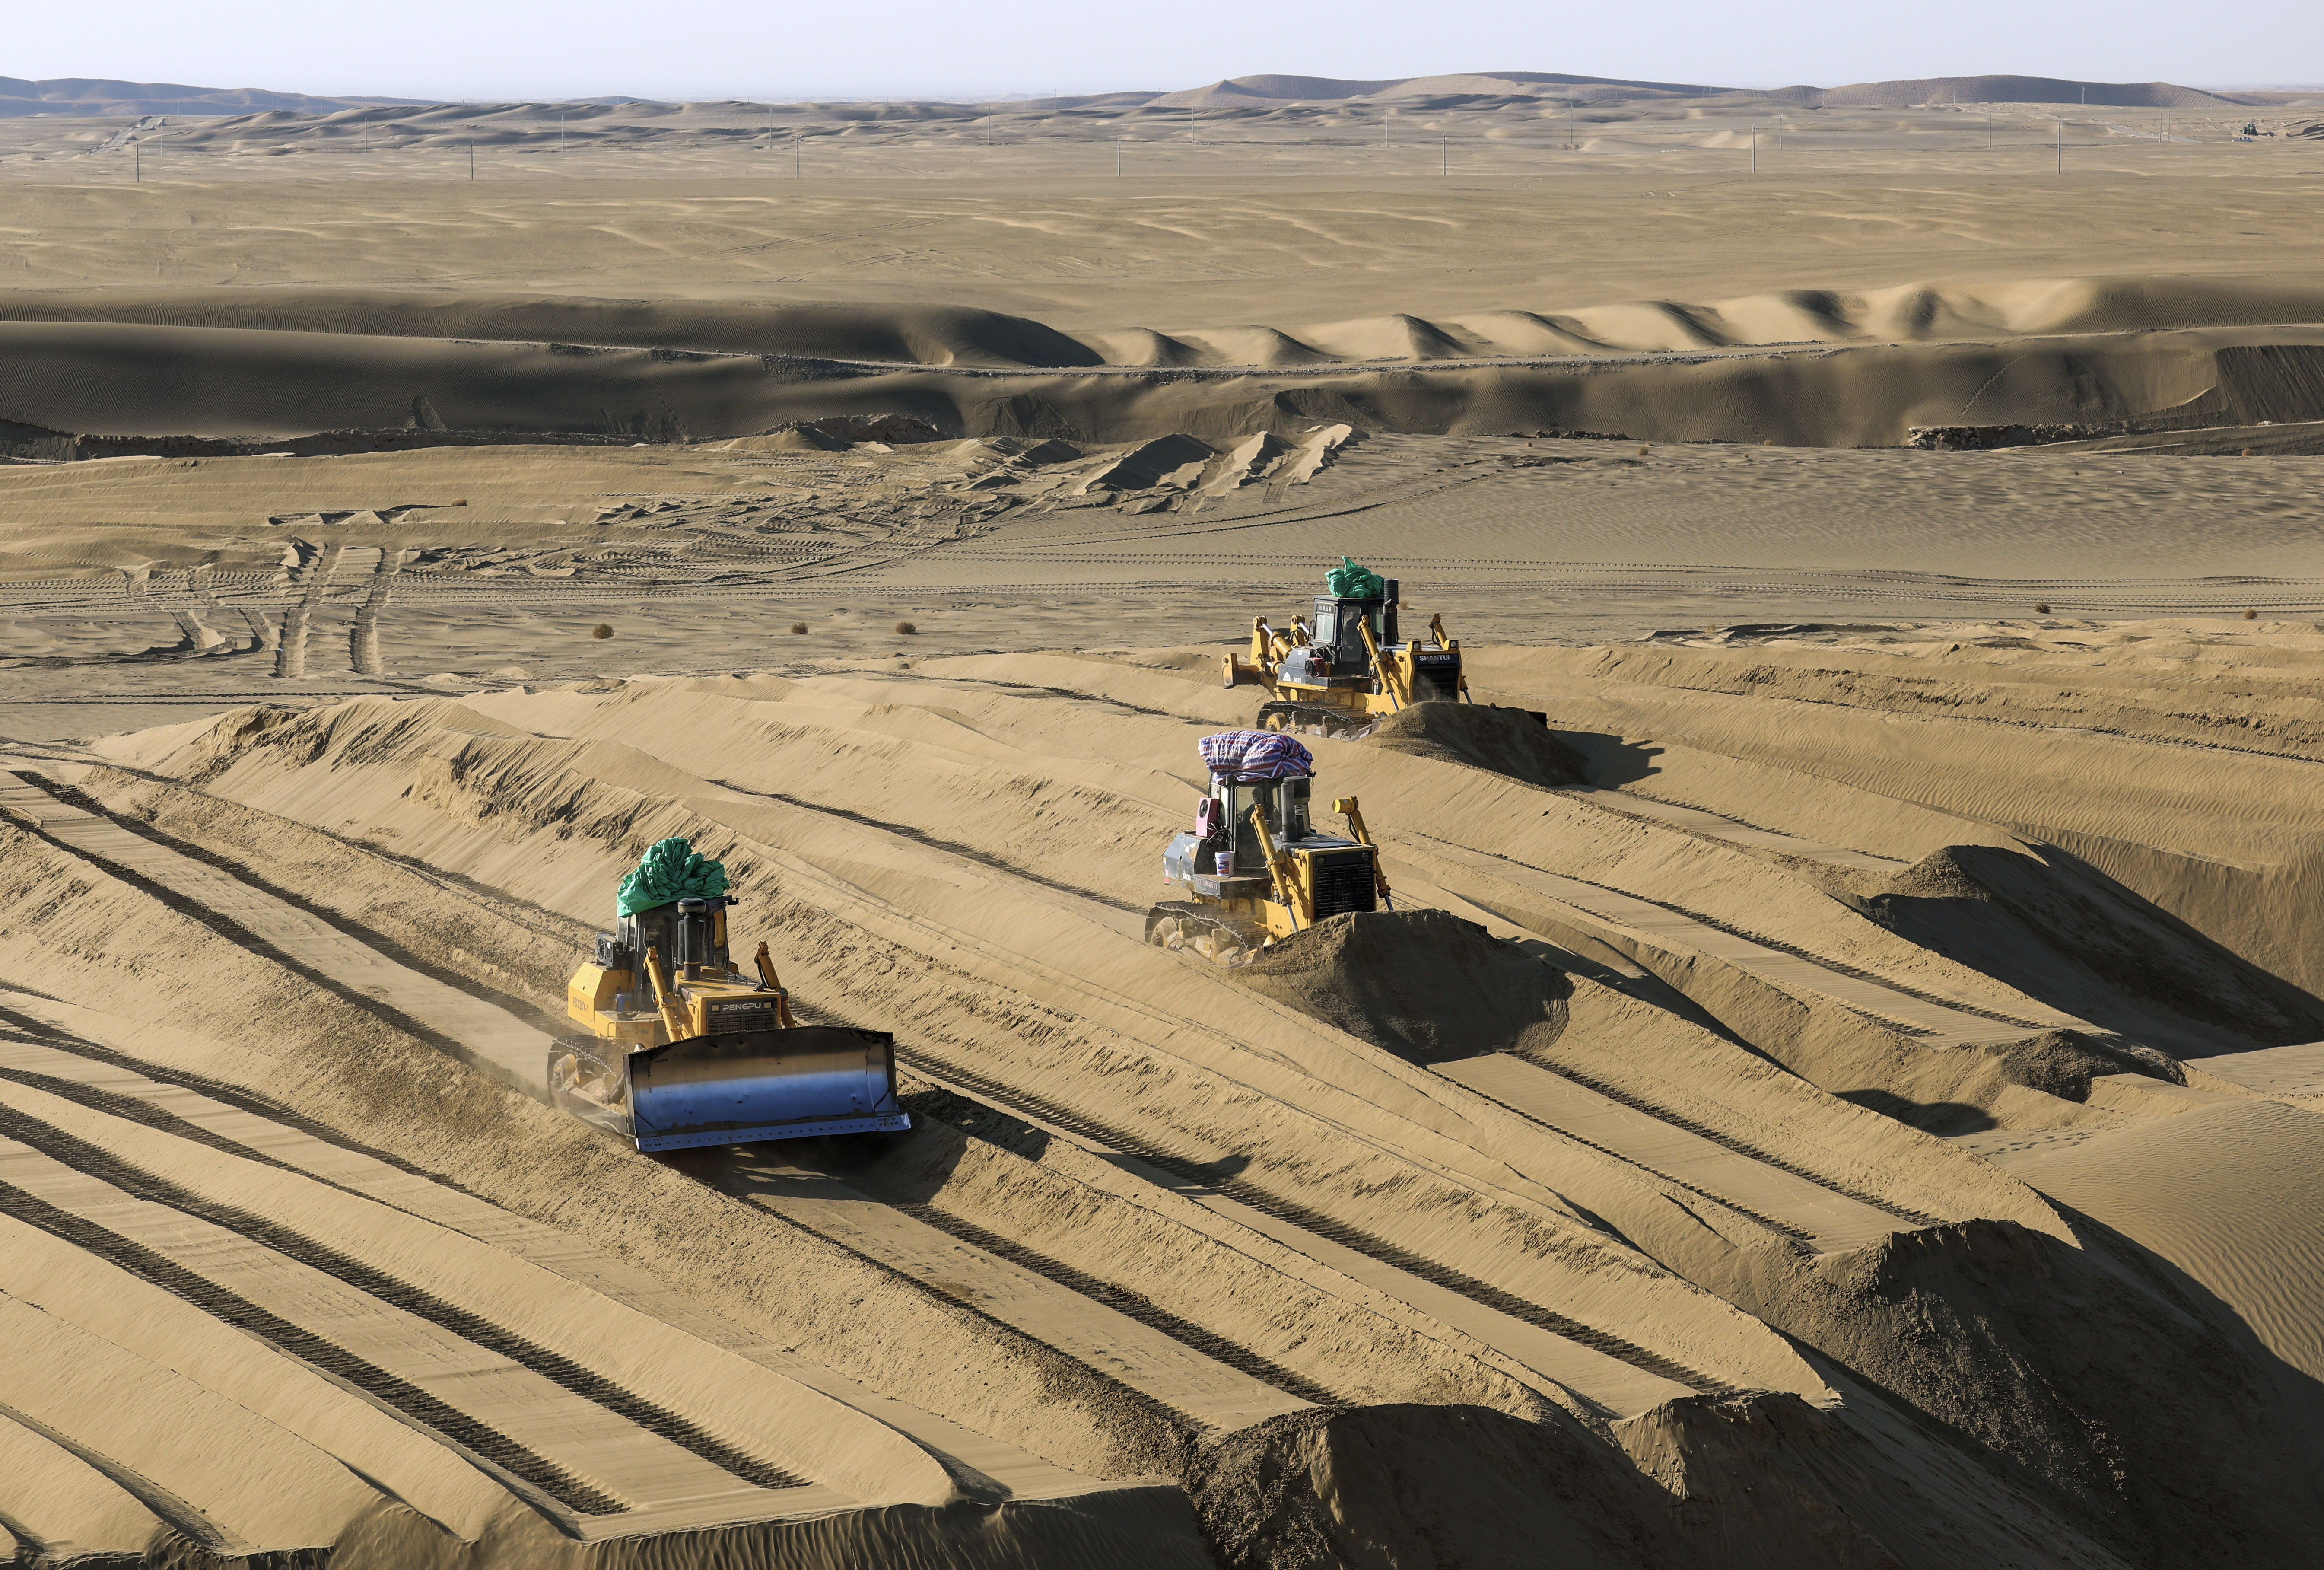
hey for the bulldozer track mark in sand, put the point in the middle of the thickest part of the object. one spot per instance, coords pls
(1838, 967)
(1797, 1234)
(1378, 1249)
(1155, 1406)
(255, 943)
(133, 1110)
(14, 1026)
(559, 1370)
(497, 1451)
(136, 1109)
(1134, 1305)
(950, 847)
(1776, 946)
(291, 646)
(345, 927)
(1740, 1147)
(362, 637)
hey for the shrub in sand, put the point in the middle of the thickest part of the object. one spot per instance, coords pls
(906, 627)
(2251, 615)
(799, 626)
(2041, 609)
(600, 631)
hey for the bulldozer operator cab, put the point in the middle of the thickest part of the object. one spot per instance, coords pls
(1223, 822)
(689, 933)
(1334, 652)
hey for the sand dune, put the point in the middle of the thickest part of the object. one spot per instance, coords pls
(76, 379)
(91, 97)
(942, 336)
(2102, 355)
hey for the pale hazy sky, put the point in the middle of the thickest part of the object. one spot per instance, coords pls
(674, 49)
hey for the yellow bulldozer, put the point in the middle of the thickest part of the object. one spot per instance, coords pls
(1340, 674)
(1253, 868)
(685, 1050)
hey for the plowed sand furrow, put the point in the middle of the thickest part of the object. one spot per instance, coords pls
(1147, 1360)
(488, 1035)
(1716, 825)
(1289, 1321)
(226, 1478)
(1002, 1465)
(1604, 1371)
(63, 1506)
(396, 1453)
(1834, 1220)
(613, 1466)
(1210, 1344)
(719, 1416)
(1644, 921)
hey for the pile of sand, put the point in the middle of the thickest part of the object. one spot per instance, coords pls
(1424, 984)
(1507, 741)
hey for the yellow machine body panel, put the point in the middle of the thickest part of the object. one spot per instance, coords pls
(594, 997)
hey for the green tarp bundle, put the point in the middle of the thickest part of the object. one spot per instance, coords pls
(671, 870)
(1349, 581)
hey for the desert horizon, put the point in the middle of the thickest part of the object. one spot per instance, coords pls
(1547, 819)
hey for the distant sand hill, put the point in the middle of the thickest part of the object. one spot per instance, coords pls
(1256, 90)
(97, 95)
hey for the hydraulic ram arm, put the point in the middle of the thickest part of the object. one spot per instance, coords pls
(673, 1020)
(773, 984)
(1279, 868)
(1391, 675)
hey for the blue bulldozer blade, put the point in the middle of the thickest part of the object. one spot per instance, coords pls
(745, 1086)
